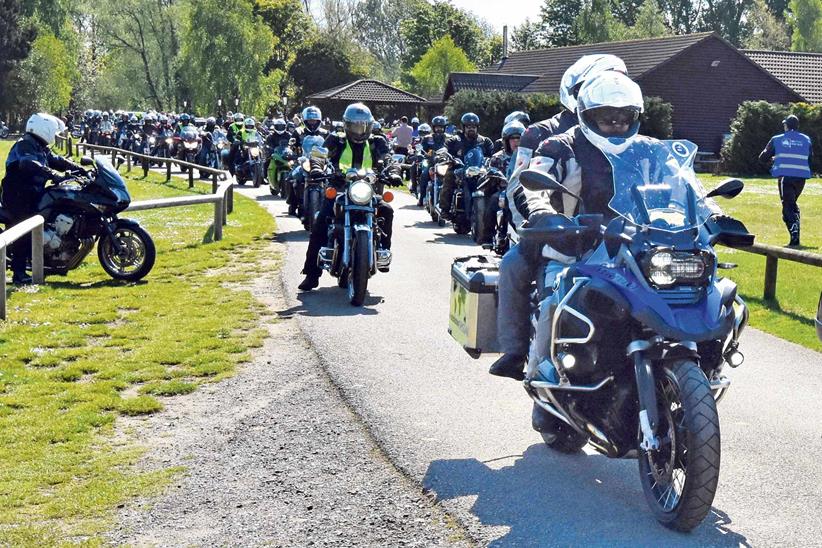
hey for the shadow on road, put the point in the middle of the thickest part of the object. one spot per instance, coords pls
(452, 238)
(551, 499)
(330, 301)
(291, 236)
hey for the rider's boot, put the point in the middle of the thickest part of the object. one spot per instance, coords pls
(310, 282)
(509, 365)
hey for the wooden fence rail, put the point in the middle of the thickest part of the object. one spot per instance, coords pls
(34, 225)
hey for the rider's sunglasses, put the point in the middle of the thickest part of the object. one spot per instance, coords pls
(611, 116)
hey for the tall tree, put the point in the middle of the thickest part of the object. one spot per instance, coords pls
(650, 22)
(381, 17)
(805, 16)
(321, 64)
(527, 36)
(627, 11)
(767, 31)
(16, 37)
(225, 51)
(431, 22)
(683, 15)
(596, 23)
(290, 24)
(727, 17)
(558, 19)
(44, 80)
(431, 71)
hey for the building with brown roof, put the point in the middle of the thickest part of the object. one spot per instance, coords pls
(801, 71)
(702, 76)
(383, 99)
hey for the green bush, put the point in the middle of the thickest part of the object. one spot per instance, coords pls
(493, 106)
(754, 125)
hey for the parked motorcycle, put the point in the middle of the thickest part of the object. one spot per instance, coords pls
(83, 210)
(492, 183)
(631, 340)
(4, 130)
(355, 236)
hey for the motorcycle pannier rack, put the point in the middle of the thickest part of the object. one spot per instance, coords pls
(472, 320)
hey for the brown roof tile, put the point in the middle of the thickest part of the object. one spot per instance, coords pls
(368, 90)
(640, 56)
(800, 71)
(488, 81)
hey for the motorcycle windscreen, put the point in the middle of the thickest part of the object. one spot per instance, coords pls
(309, 142)
(113, 182)
(474, 157)
(655, 185)
(189, 135)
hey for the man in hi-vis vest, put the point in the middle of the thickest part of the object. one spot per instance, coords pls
(347, 150)
(791, 152)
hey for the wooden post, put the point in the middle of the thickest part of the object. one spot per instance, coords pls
(114, 157)
(92, 153)
(37, 255)
(215, 183)
(771, 264)
(2, 283)
(190, 177)
(145, 169)
(218, 221)
(230, 206)
(168, 170)
(128, 162)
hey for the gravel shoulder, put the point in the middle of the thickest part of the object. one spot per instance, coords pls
(275, 457)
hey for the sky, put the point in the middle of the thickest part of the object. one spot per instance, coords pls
(502, 12)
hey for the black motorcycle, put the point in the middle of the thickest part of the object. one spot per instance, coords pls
(355, 253)
(491, 183)
(83, 210)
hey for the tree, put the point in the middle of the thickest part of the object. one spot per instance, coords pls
(726, 17)
(683, 15)
(387, 45)
(431, 22)
(289, 24)
(558, 20)
(146, 32)
(627, 11)
(595, 23)
(805, 16)
(767, 32)
(45, 79)
(321, 64)
(432, 70)
(650, 22)
(225, 52)
(527, 36)
(16, 37)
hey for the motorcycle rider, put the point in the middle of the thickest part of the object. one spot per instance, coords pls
(431, 144)
(415, 127)
(279, 137)
(106, 126)
(312, 125)
(608, 109)
(235, 130)
(29, 166)
(207, 139)
(236, 127)
(510, 135)
(458, 145)
(585, 67)
(351, 149)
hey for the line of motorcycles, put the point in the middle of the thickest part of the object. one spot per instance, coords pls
(479, 205)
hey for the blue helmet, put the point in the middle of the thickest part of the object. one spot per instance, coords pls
(469, 118)
(519, 116)
(512, 129)
(312, 117)
(439, 121)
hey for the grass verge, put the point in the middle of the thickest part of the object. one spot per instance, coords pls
(81, 350)
(791, 315)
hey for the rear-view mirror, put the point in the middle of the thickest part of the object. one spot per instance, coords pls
(728, 189)
(86, 161)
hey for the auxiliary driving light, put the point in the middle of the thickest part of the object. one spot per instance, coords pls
(567, 360)
(735, 358)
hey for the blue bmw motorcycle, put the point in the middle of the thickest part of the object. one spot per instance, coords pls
(632, 333)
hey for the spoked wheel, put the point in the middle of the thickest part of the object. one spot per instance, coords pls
(358, 279)
(135, 257)
(680, 478)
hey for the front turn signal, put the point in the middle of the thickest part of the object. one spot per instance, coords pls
(331, 193)
(387, 196)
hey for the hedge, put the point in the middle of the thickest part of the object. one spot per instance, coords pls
(754, 125)
(493, 106)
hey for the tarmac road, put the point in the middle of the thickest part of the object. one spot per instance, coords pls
(465, 435)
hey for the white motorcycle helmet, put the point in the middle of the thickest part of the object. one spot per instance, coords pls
(585, 68)
(608, 107)
(45, 127)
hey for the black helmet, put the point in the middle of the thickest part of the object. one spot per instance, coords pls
(357, 120)
(470, 119)
(184, 119)
(439, 121)
(279, 126)
(519, 116)
(792, 122)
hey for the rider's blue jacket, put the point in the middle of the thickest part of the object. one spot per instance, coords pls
(791, 151)
(28, 168)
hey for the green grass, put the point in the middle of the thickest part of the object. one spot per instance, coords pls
(791, 315)
(80, 351)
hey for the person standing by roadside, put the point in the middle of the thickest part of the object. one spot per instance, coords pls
(791, 152)
(403, 136)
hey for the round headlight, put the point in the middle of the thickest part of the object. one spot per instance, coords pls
(360, 193)
(442, 169)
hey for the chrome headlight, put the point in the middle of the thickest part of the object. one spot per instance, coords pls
(151, 140)
(665, 268)
(360, 193)
(190, 145)
(169, 141)
(442, 169)
(253, 152)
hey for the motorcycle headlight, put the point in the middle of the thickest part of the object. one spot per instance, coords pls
(360, 193)
(442, 169)
(665, 268)
(253, 152)
(306, 166)
(151, 140)
(169, 141)
(190, 145)
(472, 171)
